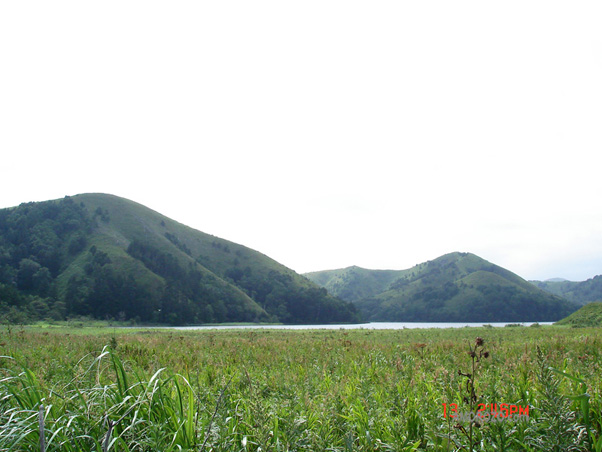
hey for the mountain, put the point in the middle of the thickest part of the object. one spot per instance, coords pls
(108, 257)
(588, 315)
(355, 283)
(581, 292)
(455, 287)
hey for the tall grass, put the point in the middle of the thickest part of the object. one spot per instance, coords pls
(104, 408)
(294, 390)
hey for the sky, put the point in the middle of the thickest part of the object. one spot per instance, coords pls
(322, 133)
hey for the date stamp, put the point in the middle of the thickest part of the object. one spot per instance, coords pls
(487, 412)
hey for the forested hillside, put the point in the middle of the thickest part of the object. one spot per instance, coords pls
(455, 287)
(106, 257)
(580, 292)
(355, 283)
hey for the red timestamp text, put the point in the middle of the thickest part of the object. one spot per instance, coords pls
(489, 409)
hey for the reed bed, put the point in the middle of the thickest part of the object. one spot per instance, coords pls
(277, 390)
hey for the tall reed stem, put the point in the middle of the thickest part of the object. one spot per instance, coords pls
(41, 423)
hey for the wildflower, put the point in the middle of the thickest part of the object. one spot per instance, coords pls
(479, 341)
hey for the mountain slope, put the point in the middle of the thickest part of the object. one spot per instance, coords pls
(454, 287)
(105, 256)
(581, 292)
(589, 315)
(355, 283)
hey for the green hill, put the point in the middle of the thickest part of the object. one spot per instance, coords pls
(581, 292)
(589, 315)
(355, 283)
(108, 257)
(454, 287)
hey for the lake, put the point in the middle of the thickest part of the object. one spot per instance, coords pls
(366, 326)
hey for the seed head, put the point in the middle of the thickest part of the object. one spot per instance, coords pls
(479, 342)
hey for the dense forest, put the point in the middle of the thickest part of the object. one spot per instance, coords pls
(98, 256)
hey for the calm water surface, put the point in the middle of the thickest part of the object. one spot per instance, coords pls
(367, 326)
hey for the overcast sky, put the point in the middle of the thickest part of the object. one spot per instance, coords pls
(322, 133)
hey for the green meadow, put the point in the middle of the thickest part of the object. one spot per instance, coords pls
(115, 389)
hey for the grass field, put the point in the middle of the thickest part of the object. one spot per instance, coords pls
(278, 390)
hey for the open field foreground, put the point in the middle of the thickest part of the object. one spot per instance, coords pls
(274, 390)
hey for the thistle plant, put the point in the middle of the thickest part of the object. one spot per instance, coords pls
(470, 398)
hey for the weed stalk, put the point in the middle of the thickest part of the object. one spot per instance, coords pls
(476, 353)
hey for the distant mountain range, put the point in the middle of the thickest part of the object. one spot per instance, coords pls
(581, 292)
(107, 257)
(110, 258)
(455, 287)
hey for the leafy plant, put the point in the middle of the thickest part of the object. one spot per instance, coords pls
(558, 427)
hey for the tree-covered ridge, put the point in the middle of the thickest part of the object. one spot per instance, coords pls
(454, 287)
(107, 257)
(355, 283)
(580, 292)
(36, 240)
